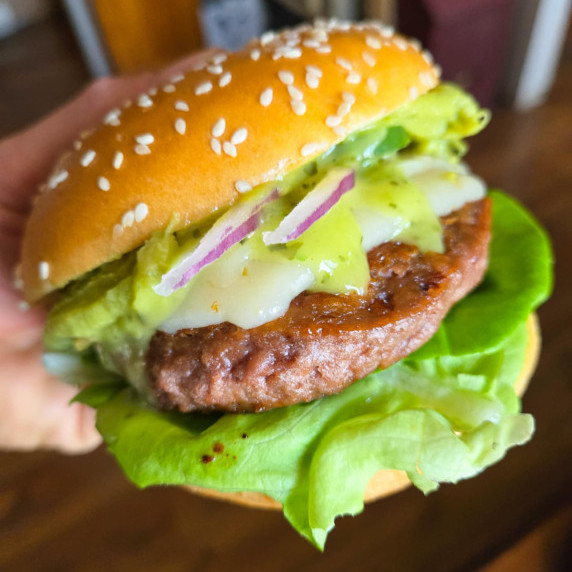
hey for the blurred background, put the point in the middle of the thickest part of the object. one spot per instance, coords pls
(503, 51)
(80, 513)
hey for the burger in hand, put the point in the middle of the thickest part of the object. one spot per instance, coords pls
(278, 283)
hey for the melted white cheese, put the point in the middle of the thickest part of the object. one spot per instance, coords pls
(242, 291)
(447, 187)
(249, 293)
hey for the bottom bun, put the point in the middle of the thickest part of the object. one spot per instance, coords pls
(385, 482)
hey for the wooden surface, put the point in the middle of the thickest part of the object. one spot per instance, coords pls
(79, 513)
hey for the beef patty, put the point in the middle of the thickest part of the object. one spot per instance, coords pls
(324, 342)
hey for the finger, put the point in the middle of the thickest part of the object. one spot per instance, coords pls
(185, 64)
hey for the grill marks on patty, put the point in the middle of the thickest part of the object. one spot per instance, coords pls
(324, 342)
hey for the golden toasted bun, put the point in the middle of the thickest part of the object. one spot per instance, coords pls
(387, 482)
(162, 154)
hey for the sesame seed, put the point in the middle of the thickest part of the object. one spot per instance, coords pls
(23, 306)
(295, 93)
(298, 107)
(153, 91)
(343, 63)
(333, 120)
(438, 71)
(180, 126)
(77, 145)
(340, 131)
(112, 118)
(127, 219)
(309, 149)
(349, 97)
(369, 59)
(103, 184)
(286, 77)
(293, 53)
(215, 70)
(242, 186)
(239, 136)
(218, 127)
(118, 160)
(372, 85)
(203, 88)
(311, 44)
(87, 158)
(229, 149)
(58, 178)
(400, 43)
(141, 212)
(314, 70)
(219, 59)
(312, 81)
(44, 270)
(426, 79)
(144, 101)
(255, 55)
(177, 78)
(267, 37)
(199, 66)
(415, 44)
(413, 92)
(353, 78)
(427, 57)
(224, 79)
(145, 139)
(169, 88)
(181, 105)
(387, 31)
(216, 146)
(142, 150)
(344, 108)
(266, 97)
(117, 231)
(373, 42)
(325, 49)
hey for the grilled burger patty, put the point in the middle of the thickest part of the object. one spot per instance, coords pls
(324, 342)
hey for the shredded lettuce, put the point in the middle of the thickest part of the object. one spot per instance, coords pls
(442, 415)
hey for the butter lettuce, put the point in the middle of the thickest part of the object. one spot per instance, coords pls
(438, 416)
(519, 279)
(317, 458)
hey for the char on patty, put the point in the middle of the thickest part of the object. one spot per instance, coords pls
(324, 342)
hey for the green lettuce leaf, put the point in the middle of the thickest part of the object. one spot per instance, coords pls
(438, 421)
(518, 280)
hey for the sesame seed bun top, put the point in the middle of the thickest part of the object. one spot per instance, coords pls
(194, 145)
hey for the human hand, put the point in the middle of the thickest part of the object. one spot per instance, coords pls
(34, 410)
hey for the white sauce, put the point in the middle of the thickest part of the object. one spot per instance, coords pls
(249, 293)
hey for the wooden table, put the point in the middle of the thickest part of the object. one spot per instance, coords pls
(80, 513)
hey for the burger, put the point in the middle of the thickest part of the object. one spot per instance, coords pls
(278, 283)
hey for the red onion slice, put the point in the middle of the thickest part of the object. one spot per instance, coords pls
(229, 229)
(313, 206)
